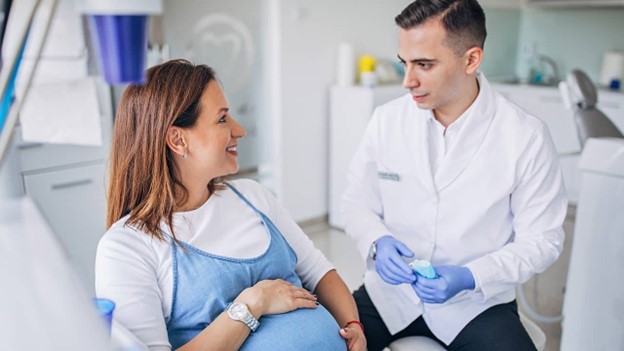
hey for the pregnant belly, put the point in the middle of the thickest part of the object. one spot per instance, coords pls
(302, 329)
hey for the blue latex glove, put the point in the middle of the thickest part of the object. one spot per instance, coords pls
(451, 280)
(389, 262)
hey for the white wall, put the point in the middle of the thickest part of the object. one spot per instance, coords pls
(502, 4)
(310, 34)
(231, 37)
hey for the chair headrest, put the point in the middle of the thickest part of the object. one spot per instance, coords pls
(583, 91)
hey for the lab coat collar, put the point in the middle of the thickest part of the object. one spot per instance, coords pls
(476, 122)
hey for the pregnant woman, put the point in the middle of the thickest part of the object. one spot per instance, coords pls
(195, 262)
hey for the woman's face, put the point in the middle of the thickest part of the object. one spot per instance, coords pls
(212, 141)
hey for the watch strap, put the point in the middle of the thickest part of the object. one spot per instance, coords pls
(251, 322)
(372, 252)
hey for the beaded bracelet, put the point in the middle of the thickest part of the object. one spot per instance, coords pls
(355, 322)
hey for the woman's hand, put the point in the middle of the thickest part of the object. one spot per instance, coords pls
(354, 336)
(276, 296)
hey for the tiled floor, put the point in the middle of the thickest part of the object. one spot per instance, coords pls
(549, 286)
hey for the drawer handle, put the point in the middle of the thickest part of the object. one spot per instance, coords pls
(71, 184)
(29, 146)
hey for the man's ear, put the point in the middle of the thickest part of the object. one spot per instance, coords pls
(175, 140)
(473, 57)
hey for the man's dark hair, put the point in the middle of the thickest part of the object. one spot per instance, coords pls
(463, 20)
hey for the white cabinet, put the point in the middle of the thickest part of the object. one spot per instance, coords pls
(73, 202)
(350, 108)
(66, 182)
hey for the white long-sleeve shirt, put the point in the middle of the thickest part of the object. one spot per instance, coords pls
(492, 199)
(135, 270)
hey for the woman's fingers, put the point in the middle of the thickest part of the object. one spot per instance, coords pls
(354, 337)
(282, 296)
(302, 293)
(302, 298)
(305, 303)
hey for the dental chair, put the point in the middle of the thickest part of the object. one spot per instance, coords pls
(590, 121)
(423, 343)
(592, 296)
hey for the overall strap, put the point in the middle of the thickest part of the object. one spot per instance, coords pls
(269, 225)
(245, 199)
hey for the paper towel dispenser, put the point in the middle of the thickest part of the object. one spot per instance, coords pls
(576, 3)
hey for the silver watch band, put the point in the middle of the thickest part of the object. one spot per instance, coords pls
(251, 322)
(372, 251)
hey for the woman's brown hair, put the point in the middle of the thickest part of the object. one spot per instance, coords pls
(143, 181)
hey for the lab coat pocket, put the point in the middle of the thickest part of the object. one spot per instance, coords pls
(401, 195)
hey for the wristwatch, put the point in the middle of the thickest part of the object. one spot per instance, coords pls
(240, 312)
(372, 251)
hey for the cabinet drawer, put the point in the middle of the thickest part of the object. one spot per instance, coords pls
(73, 202)
(35, 156)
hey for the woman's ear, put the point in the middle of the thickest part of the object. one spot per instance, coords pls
(473, 59)
(175, 140)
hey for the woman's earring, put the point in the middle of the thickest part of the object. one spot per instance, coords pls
(184, 156)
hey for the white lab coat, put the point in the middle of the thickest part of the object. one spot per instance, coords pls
(495, 205)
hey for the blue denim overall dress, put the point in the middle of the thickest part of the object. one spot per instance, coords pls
(203, 284)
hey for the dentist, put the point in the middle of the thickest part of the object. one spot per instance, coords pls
(455, 174)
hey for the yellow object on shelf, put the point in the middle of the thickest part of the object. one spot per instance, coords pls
(366, 63)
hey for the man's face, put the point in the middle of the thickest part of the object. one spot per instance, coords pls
(434, 74)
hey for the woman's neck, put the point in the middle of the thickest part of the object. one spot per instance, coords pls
(197, 196)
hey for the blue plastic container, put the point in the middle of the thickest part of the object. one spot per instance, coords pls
(105, 308)
(122, 42)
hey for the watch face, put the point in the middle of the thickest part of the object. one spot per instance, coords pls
(238, 311)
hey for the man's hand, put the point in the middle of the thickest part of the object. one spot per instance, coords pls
(451, 280)
(389, 262)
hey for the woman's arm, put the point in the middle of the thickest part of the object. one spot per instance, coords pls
(222, 334)
(335, 296)
(266, 297)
